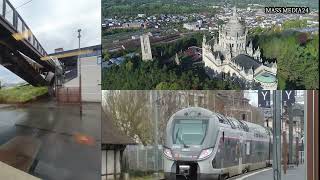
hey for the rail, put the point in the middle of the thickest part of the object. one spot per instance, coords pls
(19, 28)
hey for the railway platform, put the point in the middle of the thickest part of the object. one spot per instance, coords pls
(293, 173)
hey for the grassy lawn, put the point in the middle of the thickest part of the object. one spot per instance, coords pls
(21, 94)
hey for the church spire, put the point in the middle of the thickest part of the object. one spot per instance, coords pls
(234, 11)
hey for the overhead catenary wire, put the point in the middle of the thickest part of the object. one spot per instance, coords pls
(23, 4)
(15, 8)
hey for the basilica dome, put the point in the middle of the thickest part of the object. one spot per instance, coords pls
(234, 27)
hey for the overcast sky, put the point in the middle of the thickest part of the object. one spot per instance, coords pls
(55, 24)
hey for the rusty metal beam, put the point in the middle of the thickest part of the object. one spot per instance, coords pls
(312, 134)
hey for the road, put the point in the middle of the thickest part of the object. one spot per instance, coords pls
(70, 144)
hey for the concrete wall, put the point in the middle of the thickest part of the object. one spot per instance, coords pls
(107, 164)
(90, 79)
(103, 162)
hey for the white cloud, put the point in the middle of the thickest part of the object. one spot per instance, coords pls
(7, 77)
(55, 22)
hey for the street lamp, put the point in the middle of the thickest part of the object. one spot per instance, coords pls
(155, 100)
(80, 87)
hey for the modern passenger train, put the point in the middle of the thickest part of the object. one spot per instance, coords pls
(201, 144)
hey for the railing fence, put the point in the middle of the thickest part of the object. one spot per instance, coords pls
(142, 158)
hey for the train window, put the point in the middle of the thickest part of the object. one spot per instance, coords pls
(238, 149)
(189, 132)
(248, 148)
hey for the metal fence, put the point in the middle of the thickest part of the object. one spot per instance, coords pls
(143, 158)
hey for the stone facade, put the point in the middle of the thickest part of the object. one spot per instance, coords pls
(228, 53)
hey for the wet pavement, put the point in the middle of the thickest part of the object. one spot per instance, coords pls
(70, 145)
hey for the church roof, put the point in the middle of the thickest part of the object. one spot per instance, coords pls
(246, 62)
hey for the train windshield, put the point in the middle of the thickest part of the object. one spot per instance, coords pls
(189, 132)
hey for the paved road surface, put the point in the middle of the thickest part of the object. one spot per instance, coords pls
(70, 145)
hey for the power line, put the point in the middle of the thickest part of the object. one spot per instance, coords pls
(23, 4)
(15, 8)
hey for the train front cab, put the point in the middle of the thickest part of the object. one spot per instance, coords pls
(190, 150)
(220, 156)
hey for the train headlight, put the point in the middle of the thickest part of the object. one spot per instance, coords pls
(167, 153)
(205, 153)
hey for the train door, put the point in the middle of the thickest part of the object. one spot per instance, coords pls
(239, 153)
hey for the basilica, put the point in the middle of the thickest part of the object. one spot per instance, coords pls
(232, 54)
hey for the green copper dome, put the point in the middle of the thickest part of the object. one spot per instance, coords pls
(266, 78)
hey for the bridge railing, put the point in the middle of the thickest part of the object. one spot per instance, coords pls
(22, 31)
